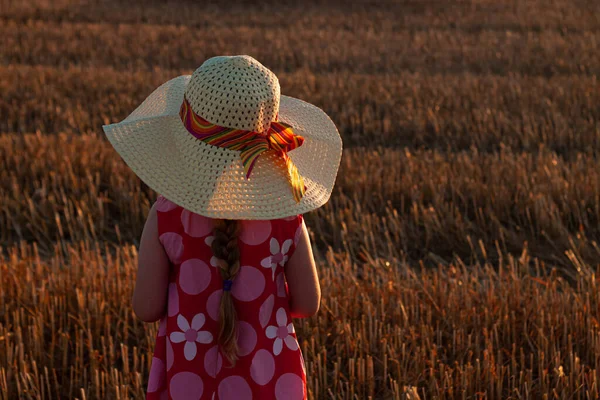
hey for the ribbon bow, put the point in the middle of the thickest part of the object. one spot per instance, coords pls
(280, 137)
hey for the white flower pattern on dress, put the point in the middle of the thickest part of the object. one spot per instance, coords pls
(191, 335)
(278, 256)
(282, 333)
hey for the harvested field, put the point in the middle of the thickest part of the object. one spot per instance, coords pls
(465, 217)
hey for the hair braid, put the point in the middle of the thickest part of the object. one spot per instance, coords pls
(225, 249)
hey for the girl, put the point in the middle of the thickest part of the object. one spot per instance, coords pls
(225, 260)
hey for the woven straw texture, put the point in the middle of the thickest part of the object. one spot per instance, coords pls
(236, 92)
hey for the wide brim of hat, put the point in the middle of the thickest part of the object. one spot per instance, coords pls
(209, 180)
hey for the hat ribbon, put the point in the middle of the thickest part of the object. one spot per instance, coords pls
(279, 137)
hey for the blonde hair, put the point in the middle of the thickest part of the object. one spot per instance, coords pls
(225, 249)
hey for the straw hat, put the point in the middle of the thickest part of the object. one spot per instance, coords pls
(224, 143)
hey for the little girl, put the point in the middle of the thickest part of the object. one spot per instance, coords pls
(225, 260)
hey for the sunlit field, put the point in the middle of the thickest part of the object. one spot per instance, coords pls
(458, 256)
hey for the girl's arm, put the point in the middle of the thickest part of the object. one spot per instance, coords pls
(150, 293)
(303, 279)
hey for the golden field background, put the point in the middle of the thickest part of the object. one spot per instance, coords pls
(458, 255)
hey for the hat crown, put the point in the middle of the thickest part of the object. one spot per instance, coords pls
(235, 92)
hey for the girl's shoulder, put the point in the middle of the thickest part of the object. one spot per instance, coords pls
(162, 204)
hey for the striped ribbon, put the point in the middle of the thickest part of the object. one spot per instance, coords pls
(280, 137)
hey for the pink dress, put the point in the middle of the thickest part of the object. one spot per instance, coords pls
(188, 363)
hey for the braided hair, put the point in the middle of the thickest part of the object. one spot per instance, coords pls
(225, 249)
